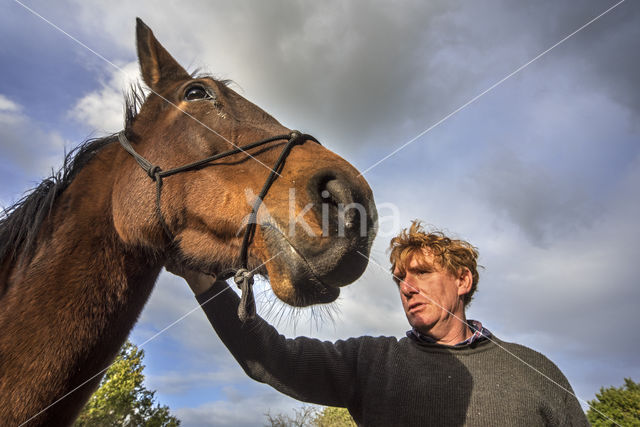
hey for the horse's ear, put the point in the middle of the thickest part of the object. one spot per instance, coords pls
(156, 64)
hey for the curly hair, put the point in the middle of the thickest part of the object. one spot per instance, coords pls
(450, 254)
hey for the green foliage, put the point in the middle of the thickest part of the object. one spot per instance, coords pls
(122, 399)
(309, 416)
(622, 405)
(334, 417)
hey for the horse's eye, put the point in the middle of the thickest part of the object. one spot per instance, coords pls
(196, 92)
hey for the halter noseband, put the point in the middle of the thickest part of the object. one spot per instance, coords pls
(243, 277)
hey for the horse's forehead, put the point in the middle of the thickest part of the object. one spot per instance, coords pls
(243, 109)
(236, 99)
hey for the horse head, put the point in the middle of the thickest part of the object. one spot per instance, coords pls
(314, 227)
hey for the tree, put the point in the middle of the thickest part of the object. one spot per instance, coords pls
(122, 399)
(303, 418)
(620, 405)
(309, 416)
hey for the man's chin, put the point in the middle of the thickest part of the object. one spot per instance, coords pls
(421, 324)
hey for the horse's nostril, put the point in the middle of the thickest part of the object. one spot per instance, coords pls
(338, 190)
(340, 203)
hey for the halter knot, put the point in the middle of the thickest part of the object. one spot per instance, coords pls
(153, 172)
(243, 275)
(294, 134)
(247, 307)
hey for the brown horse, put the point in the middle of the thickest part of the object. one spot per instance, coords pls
(80, 254)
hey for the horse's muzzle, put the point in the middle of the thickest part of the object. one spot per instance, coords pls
(336, 253)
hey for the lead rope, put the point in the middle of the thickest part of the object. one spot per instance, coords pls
(247, 306)
(243, 277)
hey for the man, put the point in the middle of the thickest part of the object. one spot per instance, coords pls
(447, 371)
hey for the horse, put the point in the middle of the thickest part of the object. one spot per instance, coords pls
(80, 253)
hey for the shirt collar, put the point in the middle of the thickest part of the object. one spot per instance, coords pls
(480, 333)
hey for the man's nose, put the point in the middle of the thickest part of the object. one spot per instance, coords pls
(407, 288)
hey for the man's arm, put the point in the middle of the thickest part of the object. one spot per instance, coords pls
(303, 368)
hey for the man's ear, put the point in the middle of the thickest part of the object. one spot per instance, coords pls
(156, 64)
(465, 281)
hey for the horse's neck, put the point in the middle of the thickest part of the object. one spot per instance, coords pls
(68, 311)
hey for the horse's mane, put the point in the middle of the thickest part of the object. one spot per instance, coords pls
(21, 222)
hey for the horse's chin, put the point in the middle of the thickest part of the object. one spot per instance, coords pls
(292, 278)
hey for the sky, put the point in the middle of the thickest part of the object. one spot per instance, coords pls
(528, 146)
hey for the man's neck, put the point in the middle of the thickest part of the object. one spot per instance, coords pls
(452, 332)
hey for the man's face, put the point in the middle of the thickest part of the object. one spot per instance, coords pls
(429, 294)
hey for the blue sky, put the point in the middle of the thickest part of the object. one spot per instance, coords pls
(541, 173)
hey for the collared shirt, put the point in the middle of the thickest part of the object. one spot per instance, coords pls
(479, 333)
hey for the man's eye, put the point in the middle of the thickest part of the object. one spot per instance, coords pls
(195, 93)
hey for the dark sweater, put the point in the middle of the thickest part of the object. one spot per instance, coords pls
(385, 381)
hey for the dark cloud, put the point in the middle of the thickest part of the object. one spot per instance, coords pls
(381, 74)
(607, 57)
(545, 207)
(378, 75)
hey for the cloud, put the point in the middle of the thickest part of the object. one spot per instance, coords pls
(542, 205)
(173, 308)
(28, 151)
(239, 409)
(581, 280)
(549, 165)
(180, 382)
(103, 109)
(7, 105)
(603, 59)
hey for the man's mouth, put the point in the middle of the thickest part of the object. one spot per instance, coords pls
(415, 305)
